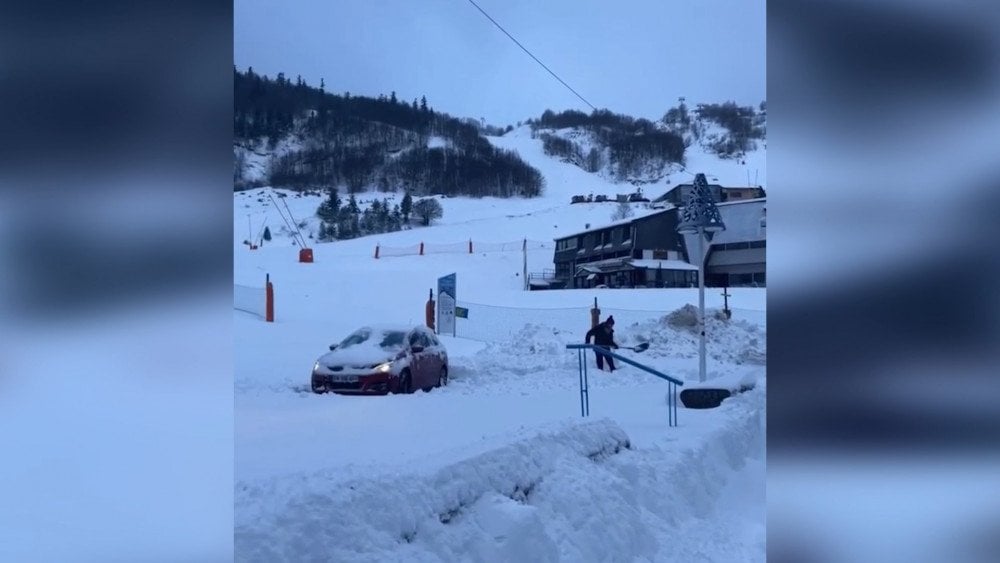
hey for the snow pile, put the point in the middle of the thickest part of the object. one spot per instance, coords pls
(481, 505)
(579, 492)
(535, 352)
(731, 341)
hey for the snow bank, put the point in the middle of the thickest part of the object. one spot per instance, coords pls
(579, 492)
(537, 354)
(413, 516)
(731, 341)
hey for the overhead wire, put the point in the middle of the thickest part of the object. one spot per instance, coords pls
(530, 54)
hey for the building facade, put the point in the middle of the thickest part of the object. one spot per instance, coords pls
(648, 252)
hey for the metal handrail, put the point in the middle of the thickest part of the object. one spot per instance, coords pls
(585, 385)
(628, 361)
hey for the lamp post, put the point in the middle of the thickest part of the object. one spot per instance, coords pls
(700, 217)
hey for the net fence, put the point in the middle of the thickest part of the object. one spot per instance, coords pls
(250, 299)
(464, 247)
(490, 323)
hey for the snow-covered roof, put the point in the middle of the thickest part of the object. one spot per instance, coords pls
(664, 264)
(742, 220)
(643, 215)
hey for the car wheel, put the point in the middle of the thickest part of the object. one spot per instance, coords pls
(443, 377)
(405, 382)
(318, 389)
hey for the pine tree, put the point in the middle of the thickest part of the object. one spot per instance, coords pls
(397, 219)
(407, 206)
(329, 210)
(374, 214)
(392, 97)
(384, 217)
(350, 220)
(423, 103)
(367, 223)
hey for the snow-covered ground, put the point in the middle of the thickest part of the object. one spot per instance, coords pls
(498, 465)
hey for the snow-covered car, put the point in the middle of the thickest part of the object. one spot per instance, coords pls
(383, 359)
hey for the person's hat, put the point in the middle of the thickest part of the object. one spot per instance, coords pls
(611, 320)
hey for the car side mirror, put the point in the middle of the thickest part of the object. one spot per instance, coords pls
(416, 349)
(333, 347)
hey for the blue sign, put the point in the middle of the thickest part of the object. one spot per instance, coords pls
(446, 304)
(447, 285)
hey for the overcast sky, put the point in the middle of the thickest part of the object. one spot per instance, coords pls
(630, 56)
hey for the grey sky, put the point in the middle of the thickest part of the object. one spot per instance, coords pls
(630, 56)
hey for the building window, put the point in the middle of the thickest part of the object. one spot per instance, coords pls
(566, 244)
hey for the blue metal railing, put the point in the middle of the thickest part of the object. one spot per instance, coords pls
(581, 355)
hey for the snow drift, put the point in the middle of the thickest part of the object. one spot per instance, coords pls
(579, 492)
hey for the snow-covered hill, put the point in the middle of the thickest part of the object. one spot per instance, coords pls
(490, 219)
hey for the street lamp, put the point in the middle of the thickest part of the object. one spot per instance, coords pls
(699, 217)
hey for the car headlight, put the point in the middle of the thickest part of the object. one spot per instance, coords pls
(315, 367)
(384, 368)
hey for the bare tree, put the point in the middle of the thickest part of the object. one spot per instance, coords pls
(428, 210)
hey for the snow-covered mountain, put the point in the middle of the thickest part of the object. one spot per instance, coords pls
(297, 137)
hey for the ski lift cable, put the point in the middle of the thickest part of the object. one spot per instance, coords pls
(525, 49)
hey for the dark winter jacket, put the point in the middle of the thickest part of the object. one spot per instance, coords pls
(602, 334)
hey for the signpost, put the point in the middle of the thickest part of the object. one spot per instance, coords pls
(446, 304)
(700, 216)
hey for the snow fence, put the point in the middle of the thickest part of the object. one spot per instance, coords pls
(579, 493)
(464, 247)
(255, 300)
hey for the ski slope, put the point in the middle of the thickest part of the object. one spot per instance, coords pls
(498, 465)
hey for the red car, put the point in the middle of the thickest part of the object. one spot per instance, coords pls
(383, 359)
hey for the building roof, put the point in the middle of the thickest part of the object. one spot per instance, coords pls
(643, 215)
(742, 220)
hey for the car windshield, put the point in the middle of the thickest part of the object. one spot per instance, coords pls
(389, 340)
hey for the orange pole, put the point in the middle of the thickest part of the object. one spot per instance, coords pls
(595, 315)
(269, 308)
(376, 252)
(421, 249)
(470, 246)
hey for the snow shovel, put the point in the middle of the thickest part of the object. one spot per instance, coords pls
(640, 348)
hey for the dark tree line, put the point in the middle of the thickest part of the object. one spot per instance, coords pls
(634, 145)
(357, 142)
(571, 152)
(487, 171)
(340, 221)
(743, 125)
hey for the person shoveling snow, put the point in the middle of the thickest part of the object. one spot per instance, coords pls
(604, 337)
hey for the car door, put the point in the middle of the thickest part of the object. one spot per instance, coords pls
(428, 365)
(439, 356)
(414, 338)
